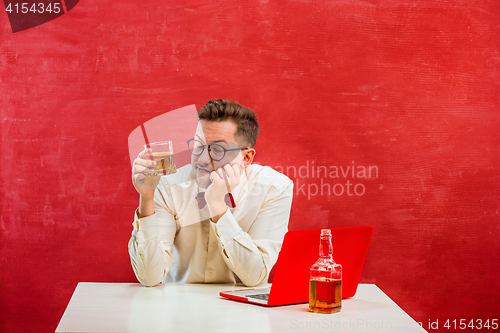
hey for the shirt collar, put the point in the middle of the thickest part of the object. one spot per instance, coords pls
(236, 192)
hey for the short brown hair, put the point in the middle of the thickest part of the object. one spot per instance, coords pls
(247, 127)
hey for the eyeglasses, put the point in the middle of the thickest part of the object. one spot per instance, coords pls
(216, 151)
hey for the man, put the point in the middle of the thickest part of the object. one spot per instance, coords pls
(176, 237)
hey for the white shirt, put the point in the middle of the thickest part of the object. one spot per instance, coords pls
(179, 243)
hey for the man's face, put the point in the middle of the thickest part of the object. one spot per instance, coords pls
(221, 133)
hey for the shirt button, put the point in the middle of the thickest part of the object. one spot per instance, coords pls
(214, 244)
(210, 274)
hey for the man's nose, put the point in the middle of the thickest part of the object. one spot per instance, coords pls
(204, 157)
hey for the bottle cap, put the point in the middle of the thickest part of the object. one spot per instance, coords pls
(326, 232)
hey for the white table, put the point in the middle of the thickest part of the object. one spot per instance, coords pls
(130, 307)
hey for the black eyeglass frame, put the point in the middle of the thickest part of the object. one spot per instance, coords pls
(209, 151)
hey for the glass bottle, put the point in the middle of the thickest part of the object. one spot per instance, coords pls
(325, 279)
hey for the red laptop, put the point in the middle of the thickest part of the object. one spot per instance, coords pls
(299, 251)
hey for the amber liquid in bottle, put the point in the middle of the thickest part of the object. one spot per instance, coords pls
(325, 295)
(325, 284)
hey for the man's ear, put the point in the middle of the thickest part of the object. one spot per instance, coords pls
(247, 158)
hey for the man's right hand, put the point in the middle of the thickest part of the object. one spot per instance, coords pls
(144, 181)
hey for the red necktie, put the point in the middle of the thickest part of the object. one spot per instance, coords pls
(228, 199)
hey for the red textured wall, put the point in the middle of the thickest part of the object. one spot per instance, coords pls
(409, 88)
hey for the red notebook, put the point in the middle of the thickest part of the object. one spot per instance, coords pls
(299, 251)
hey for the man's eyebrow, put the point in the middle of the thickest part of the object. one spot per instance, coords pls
(216, 141)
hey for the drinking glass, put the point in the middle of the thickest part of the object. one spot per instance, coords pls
(163, 154)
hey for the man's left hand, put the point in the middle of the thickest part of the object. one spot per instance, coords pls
(222, 178)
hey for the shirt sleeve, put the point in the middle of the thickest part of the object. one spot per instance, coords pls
(251, 255)
(150, 247)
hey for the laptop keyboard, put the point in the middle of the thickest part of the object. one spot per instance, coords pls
(264, 297)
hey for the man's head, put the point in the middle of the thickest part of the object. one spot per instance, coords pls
(247, 127)
(231, 130)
